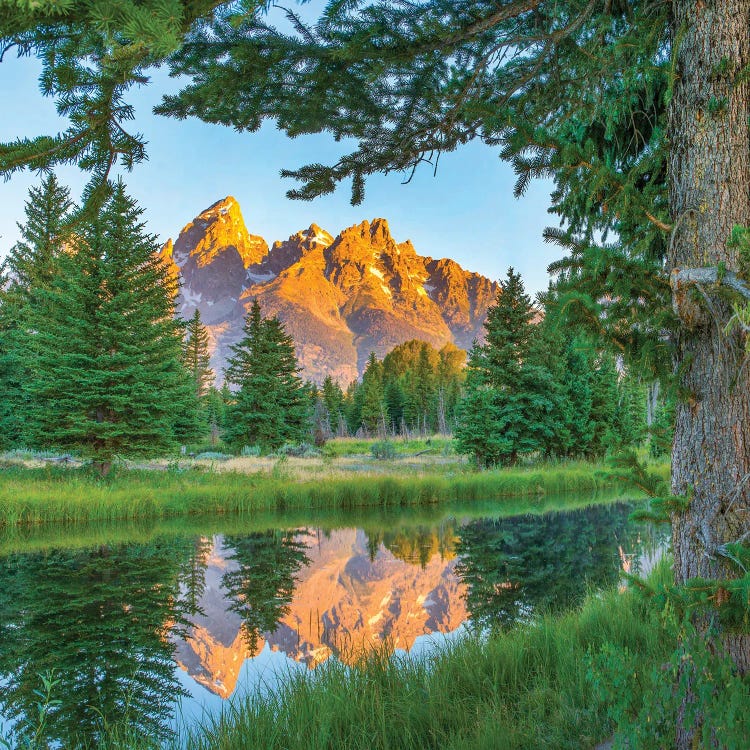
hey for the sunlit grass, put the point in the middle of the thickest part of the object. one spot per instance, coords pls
(56, 495)
(434, 445)
(27, 538)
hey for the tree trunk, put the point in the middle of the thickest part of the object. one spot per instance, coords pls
(652, 403)
(709, 194)
(102, 467)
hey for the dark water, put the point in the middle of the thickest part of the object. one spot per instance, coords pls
(161, 623)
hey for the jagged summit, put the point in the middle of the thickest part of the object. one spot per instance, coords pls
(340, 297)
(218, 231)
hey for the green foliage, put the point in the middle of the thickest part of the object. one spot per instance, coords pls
(271, 406)
(371, 410)
(526, 668)
(647, 704)
(333, 401)
(28, 270)
(196, 355)
(739, 241)
(414, 389)
(383, 449)
(662, 428)
(510, 397)
(700, 688)
(104, 350)
(197, 361)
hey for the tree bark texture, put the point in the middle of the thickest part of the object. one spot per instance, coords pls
(709, 194)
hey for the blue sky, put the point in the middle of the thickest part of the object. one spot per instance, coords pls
(466, 212)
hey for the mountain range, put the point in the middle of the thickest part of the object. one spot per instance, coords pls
(344, 600)
(340, 296)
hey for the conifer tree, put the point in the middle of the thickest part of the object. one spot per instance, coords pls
(604, 398)
(507, 410)
(578, 396)
(353, 407)
(547, 345)
(28, 270)
(106, 371)
(450, 378)
(215, 410)
(196, 355)
(373, 407)
(630, 424)
(271, 405)
(333, 400)
(394, 400)
(197, 361)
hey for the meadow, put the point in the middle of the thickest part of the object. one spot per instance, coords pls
(34, 493)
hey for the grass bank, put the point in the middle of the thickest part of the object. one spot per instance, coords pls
(24, 539)
(66, 496)
(526, 688)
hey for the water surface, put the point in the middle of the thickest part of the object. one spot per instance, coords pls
(160, 622)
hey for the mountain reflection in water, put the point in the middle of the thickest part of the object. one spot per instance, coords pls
(125, 629)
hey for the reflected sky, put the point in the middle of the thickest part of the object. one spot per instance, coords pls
(156, 631)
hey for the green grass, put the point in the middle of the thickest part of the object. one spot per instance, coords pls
(67, 496)
(527, 688)
(436, 445)
(24, 539)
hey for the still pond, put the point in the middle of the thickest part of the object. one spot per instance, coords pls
(164, 622)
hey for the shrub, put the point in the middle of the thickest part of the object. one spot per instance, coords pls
(298, 450)
(383, 450)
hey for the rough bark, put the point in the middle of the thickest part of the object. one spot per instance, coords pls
(709, 194)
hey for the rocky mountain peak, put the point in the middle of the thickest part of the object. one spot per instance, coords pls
(218, 231)
(340, 297)
(376, 233)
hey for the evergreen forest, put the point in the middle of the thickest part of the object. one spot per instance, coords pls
(96, 362)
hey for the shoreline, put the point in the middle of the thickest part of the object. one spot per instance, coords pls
(35, 497)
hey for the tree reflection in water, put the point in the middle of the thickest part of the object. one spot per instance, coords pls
(263, 584)
(513, 567)
(98, 619)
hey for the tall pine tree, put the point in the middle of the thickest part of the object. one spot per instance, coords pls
(196, 355)
(106, 372)
(29, 269)
(508, 407)
(271, 405)
(197, 362)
